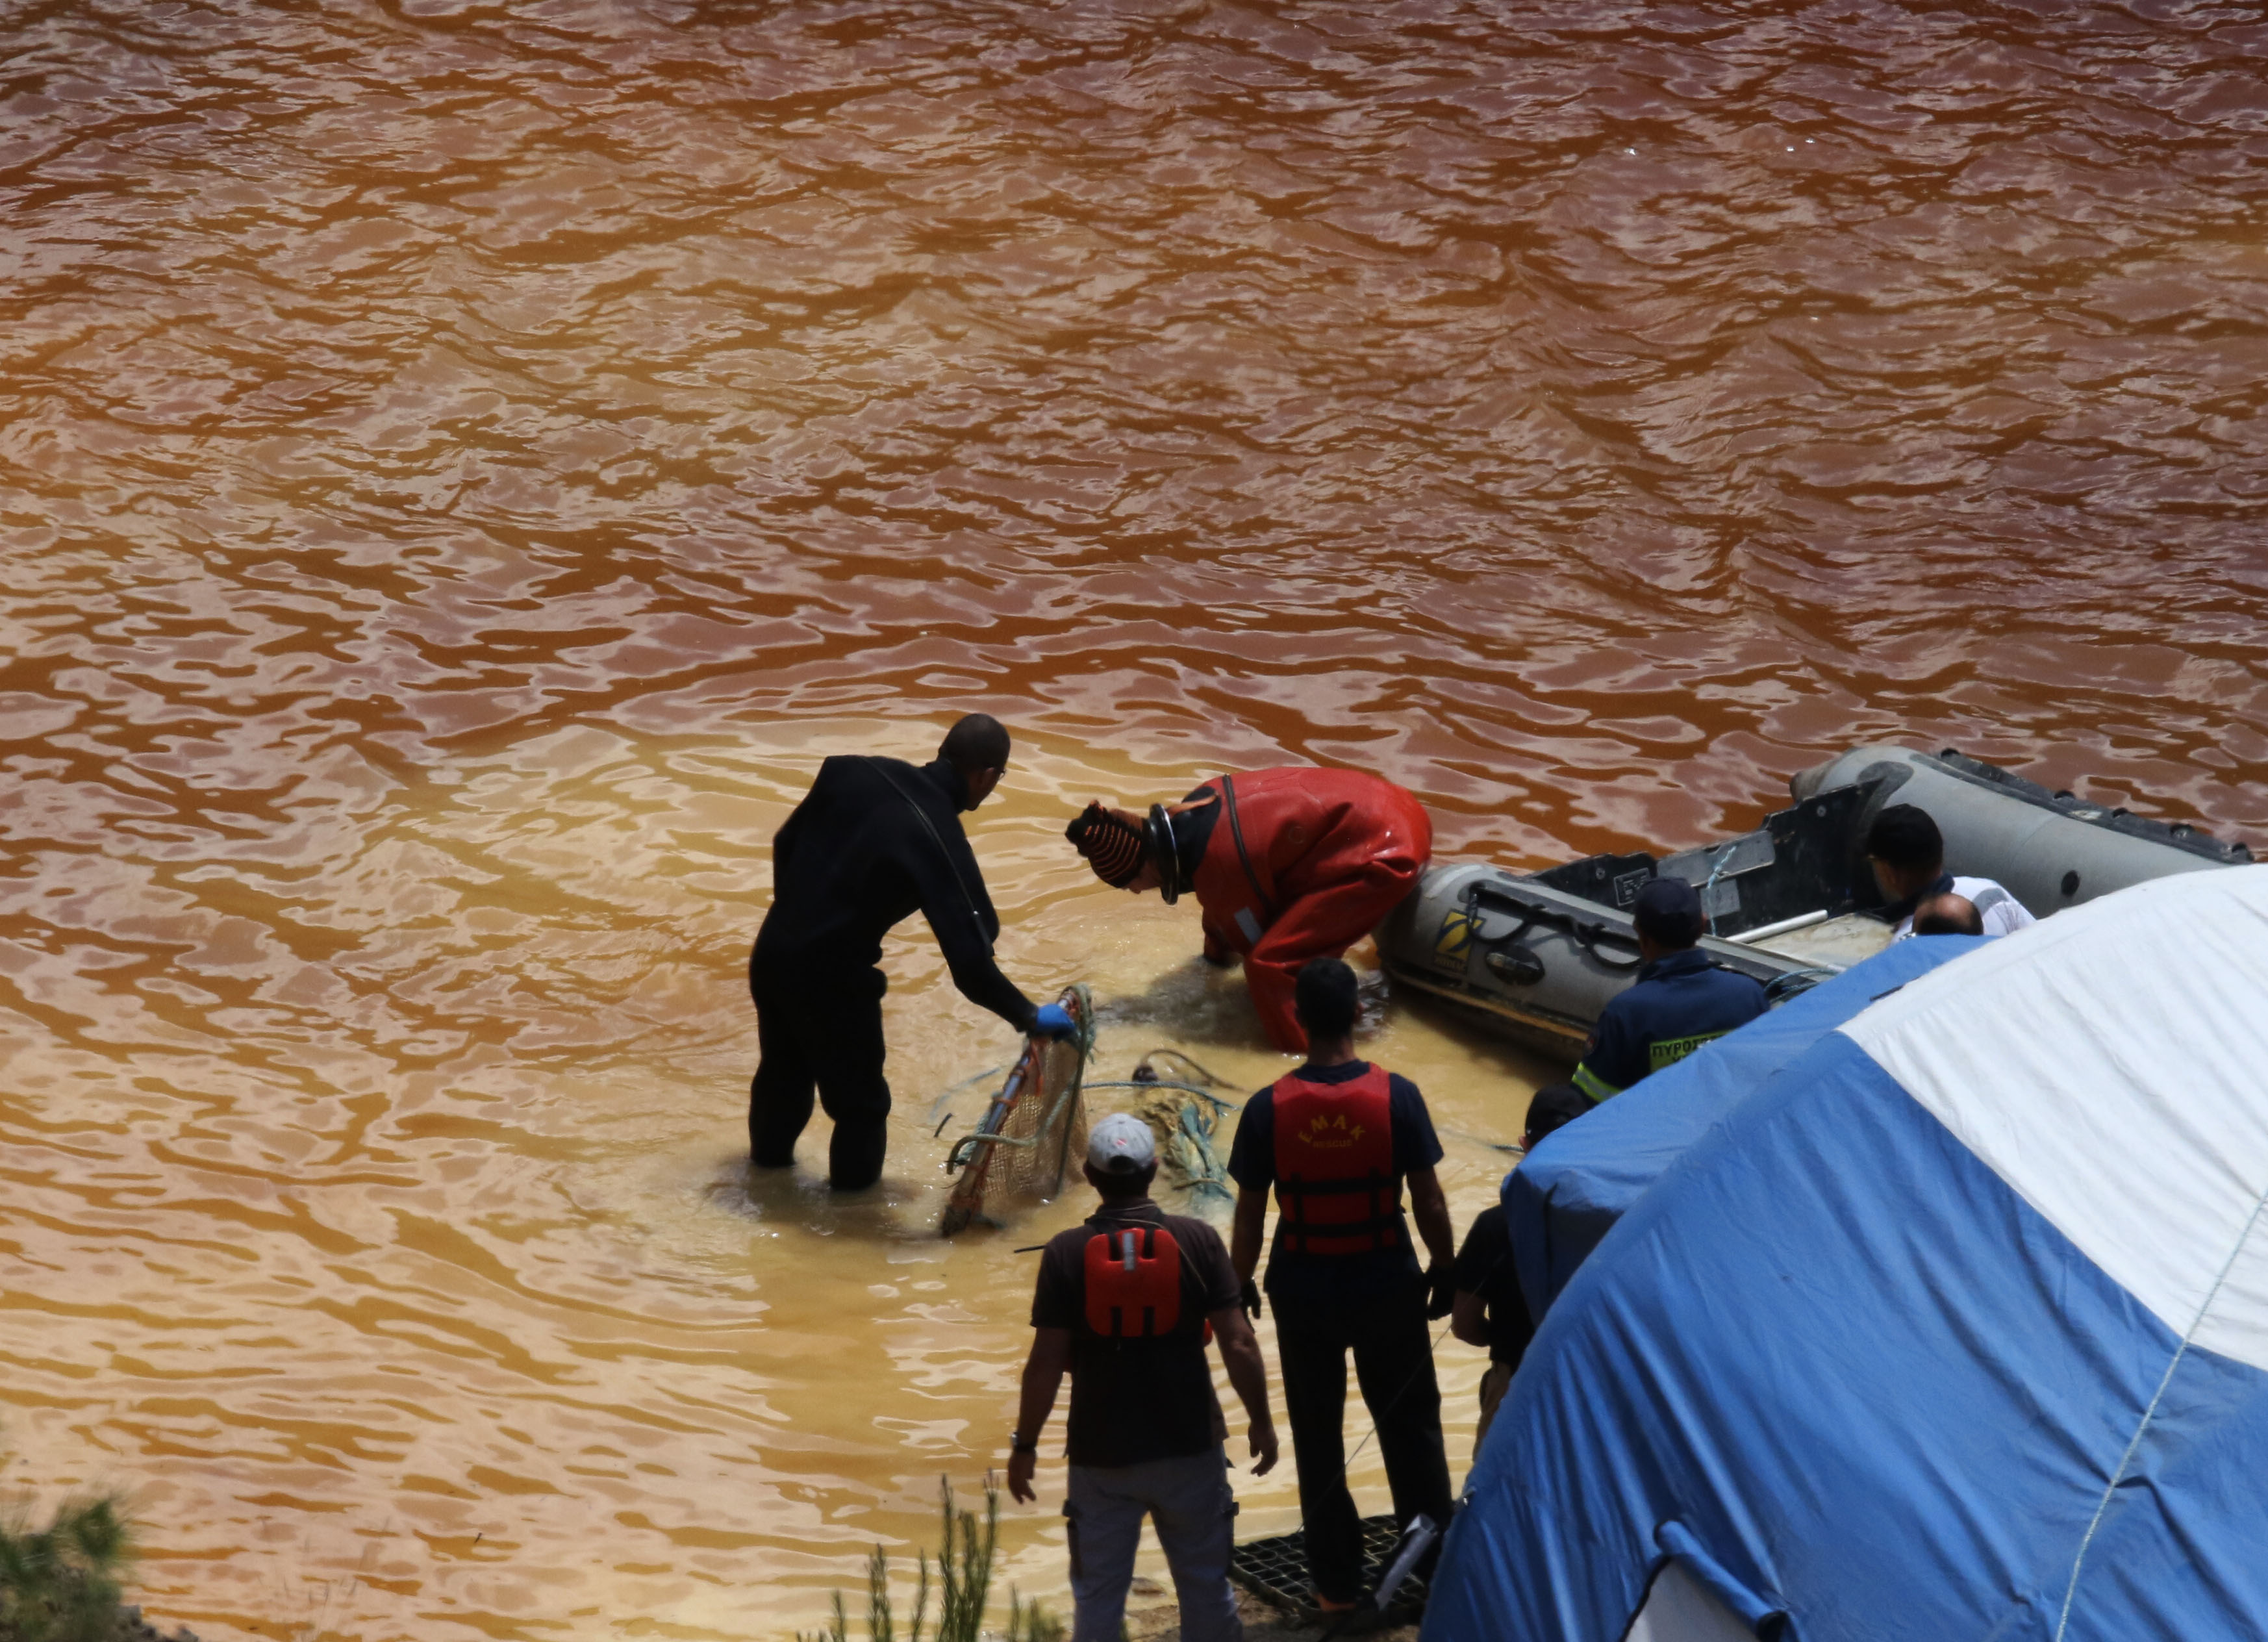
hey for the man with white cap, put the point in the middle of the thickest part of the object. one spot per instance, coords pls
(1125, 1304)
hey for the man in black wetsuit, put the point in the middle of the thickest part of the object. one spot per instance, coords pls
(874, 840)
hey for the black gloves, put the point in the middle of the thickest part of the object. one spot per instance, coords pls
(1440, 1292)
(1251, 1297)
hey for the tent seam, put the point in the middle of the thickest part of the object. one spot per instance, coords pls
(2103, 1506)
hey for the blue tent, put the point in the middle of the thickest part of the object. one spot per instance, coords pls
(1955, 1327)
(1578, 1182)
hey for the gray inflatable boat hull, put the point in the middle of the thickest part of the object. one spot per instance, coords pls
(2049, 849)
(1536, 957)
(1532, 962)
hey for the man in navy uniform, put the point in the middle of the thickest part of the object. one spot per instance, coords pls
(1680, 1001)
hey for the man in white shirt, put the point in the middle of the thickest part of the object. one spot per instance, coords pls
(1907, 852)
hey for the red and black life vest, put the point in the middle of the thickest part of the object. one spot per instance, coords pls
(1133, 1282)
(1335, 1179)
(1141, 1387)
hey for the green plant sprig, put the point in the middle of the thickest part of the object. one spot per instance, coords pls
(964, 1575)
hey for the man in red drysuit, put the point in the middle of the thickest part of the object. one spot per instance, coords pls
(1287, 865)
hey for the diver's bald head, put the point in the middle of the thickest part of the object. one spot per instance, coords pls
(977, 746)
(980, 741)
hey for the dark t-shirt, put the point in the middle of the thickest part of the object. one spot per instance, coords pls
(1141, 1399)
(1485, 1267)
(1297, 1281)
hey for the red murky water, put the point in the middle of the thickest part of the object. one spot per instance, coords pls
(462, 465)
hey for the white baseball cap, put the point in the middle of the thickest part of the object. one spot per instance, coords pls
(1121, 1144)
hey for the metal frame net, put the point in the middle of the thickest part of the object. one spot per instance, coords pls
(1035, 1128)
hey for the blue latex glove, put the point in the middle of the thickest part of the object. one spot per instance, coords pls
(1054, 1021)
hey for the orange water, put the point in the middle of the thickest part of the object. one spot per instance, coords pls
(463, 464)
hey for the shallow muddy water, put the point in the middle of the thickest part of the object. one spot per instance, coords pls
(463, 466)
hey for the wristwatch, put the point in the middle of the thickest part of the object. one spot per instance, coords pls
(1019, 1443)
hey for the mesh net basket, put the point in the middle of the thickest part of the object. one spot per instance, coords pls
(1034, 1134)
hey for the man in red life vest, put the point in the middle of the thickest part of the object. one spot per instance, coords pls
(1286, 864)
(1127, 1303)
(1336, 1140)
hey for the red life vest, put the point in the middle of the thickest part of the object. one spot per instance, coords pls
(1133, 1282)
(1335, 1179)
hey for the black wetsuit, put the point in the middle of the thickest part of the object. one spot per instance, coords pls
(855, 859)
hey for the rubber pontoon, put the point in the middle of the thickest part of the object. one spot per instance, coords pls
(1536, 956)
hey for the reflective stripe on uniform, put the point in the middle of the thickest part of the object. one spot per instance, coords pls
(1593, 1086)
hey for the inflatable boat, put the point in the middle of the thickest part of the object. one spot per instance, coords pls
(1535, 956)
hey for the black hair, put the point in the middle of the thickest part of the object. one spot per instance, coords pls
(1906, 837)
(1556, 1106)
(1323, 997)
(977, 742)
(1123, 1183)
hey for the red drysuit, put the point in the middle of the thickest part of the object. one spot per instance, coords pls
(1331, 852)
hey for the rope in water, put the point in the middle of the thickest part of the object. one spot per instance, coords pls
(1190, 1061)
